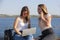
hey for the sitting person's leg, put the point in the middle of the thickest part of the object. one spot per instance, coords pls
(17, 37)
(29, 37)
(46, 33)
(50, 37)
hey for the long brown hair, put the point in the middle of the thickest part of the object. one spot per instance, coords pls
(43, 7)
(25, 8)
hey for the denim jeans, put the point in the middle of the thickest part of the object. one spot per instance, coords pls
(19, 37)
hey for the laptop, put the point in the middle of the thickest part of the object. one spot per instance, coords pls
(29, 31)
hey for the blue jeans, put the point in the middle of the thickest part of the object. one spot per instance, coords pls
(19, 37)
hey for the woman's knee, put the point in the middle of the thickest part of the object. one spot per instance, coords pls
(29, 37)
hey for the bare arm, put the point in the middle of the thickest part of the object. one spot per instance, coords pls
(15, 25)
(46, 20)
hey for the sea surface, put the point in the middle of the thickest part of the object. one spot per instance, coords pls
(7, 23)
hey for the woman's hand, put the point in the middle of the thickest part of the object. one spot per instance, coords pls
(21, 32)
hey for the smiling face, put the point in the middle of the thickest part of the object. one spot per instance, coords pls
(39, 10)
(42, 8)
(25, 13)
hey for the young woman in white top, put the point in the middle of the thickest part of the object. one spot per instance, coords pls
(45, 23)
(21, 23)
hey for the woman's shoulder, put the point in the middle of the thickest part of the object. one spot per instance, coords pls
(18, 18)
(48, 14)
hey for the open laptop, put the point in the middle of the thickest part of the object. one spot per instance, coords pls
(29, 31)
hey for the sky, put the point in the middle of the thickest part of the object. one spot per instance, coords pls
(13, 7)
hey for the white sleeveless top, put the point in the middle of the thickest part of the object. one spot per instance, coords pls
(21, 25)
(43, 26)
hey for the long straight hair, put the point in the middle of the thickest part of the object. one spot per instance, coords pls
(25, 8)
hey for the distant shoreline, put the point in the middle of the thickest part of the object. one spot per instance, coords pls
(13, 16)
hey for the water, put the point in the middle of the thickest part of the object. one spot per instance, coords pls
(7, 23)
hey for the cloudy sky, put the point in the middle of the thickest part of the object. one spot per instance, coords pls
(13, 7)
